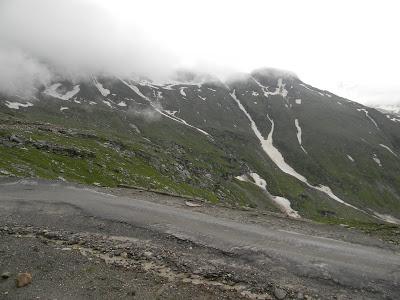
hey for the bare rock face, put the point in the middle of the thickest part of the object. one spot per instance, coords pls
(23, 279)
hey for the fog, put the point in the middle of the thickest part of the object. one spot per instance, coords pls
(73, 39)
(348, 48)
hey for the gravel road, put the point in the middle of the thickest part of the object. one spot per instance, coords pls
(206, 250)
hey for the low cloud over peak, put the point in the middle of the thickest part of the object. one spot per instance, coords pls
(72, 38)
(76, 38)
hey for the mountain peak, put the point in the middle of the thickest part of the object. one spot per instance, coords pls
(185, 75)
(274, 73)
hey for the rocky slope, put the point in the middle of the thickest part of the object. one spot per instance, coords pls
(264, 139)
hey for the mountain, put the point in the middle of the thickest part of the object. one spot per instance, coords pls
(391, 111)
(264, 139)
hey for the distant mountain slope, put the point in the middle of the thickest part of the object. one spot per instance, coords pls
(264, 139)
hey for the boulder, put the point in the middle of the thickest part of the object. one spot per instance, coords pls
(280, 294)
(23, 279)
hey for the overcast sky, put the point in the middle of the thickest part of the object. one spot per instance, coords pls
(351, 48)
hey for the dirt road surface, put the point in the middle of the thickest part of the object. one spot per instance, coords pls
(154, 246)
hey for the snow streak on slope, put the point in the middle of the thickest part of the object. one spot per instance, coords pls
(165, 112)
(258, 180)
(303, 85)
(176, 119)
(267, 146)
(182, 91)
(100, 87)
(285, 205)
(366, 113)
(349, 157)
(136, 90)
(280, 90)
(394, 120)
(51, 91)
(387, 218)
(242, 178)
(108, 103)
(278, 159)
(386, 147)
(377, 160)
(281, 202)
(296, 122)
(16, 105)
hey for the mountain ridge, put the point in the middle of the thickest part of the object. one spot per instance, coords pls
(322, 154)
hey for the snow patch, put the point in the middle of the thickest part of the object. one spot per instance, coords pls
(100, 87)
(296, 122)
(202, 98)
(52, 91)
(242, 178)
(349, 157)
(254, 93)
(280, 90)
(159, 95)
(303, 85)
(387, 218)
(377, 161)
(172, 116)
(63, 108)
(171, 112)
(17, 105)
(182, 91)
(283, 203)
(107, 103)
(259, 181)
(298, 101)
(92, 103)
(386, 147)
(135, 89)
(339, 103)
(395, 120)
(122, 103)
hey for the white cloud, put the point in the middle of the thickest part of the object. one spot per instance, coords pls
(324, 42)
(74, 38)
